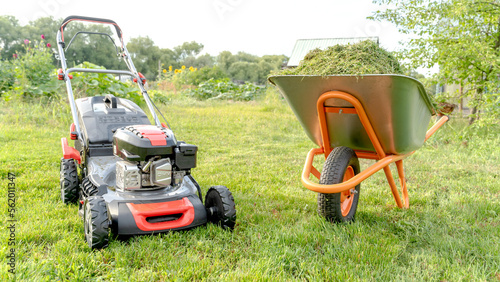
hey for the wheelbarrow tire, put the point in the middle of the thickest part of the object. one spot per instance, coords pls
(342, 163)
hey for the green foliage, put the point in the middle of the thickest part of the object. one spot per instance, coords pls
(146, 55)
(224, 89)
(93, 84)
(158, 96)
(199, 76)
(246, 67)
(187, 49)
(199, 62)
(7, 78)
(365, 57)
(30, 74)
(462, 37)
(10, 37)
(95, 48)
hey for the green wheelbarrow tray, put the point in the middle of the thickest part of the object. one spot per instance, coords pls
(397, 106)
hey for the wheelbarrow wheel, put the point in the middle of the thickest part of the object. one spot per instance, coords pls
(341, 165)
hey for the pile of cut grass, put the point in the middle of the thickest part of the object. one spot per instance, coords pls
(365, 57)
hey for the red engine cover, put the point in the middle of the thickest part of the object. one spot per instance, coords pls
(153, 133)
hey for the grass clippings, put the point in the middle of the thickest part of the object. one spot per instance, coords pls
(365, 57)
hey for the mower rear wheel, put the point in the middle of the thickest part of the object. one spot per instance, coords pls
(221, 210)
(96, 222)
(88, 188)
(341, 165)
(69, 181)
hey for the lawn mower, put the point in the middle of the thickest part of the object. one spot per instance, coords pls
(128, 175)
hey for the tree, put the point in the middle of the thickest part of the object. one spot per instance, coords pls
(462, 37)
(225, 60)
(244, 71)
(145, 55)
(187, 49)
(10, 40)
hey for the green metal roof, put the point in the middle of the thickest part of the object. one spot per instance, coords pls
(303, 46)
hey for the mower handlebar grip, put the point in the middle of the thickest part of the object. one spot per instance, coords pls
(90, 19)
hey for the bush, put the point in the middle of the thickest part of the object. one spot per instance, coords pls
(224, 89)
(93, 84)
(7, 78)
(29, 74)
(197, 77)
(185, 77)
(158, 96)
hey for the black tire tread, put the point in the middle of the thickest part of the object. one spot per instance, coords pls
(98, 236)
(88, 188)
(329, 205)
(227, 216)
(69, 181)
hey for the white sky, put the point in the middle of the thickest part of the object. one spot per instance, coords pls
(258, 27)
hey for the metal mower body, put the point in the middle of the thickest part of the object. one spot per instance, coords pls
(127, 174)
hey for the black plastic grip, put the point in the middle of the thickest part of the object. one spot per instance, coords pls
(90, 19)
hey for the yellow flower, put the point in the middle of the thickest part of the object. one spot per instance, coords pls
(164, 71)
(183, 67)
(195, 69)
(169, 68)
(191, 68)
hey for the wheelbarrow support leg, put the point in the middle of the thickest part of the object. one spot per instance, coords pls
(402, 203)
(402, 180)
(394, 188)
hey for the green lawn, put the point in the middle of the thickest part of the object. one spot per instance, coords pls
(257, 149)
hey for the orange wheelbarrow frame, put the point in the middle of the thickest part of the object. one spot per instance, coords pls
(383, 160)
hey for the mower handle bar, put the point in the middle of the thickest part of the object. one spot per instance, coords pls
(132, 70)
(92, 20)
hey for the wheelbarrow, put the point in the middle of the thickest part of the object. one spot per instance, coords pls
(351, 117)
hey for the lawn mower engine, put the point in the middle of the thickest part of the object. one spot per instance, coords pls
(154, 191)
(152, 158)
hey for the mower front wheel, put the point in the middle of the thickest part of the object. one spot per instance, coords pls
(69, 181)
(221, 210)
(96, 222)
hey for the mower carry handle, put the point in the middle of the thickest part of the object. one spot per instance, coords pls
(89, 19)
